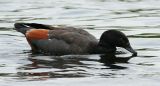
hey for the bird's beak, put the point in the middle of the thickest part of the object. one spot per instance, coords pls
(130, 49)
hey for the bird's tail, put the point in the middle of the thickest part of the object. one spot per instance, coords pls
(23, 27)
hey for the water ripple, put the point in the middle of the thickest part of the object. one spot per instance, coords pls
(138, 19)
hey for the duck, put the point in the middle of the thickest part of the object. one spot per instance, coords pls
(65, 40)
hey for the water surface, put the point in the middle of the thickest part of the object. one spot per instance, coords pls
(138, 19)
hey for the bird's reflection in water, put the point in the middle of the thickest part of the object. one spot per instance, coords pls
(56, 66)
(110, 60)
(69, 66)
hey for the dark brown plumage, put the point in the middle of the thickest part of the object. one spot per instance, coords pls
(69, 40)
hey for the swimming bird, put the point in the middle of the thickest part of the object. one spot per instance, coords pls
(65, 40)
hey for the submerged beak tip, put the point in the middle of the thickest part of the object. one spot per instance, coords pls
(130, 49)
(134, 54)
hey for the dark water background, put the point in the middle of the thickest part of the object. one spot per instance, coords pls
(138, 19)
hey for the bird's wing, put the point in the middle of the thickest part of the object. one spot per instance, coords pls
(65, 42)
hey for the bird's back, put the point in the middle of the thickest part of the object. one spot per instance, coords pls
(66, 40)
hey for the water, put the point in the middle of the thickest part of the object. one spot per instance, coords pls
(138, 19)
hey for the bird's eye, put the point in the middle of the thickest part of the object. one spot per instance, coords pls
(121, 38)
